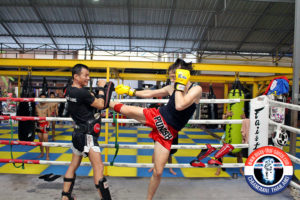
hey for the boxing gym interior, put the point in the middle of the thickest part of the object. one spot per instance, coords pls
(244, 56)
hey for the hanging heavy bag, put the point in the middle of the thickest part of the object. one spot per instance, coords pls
(212, 108)
(26, 129)
(233, 131)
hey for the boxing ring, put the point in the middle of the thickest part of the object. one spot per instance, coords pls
(261, 101)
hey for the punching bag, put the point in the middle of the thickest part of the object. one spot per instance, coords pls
(45, 87)
(26, 129)
(1, 108)
(63, 107)
(212, 108)
(233, 131)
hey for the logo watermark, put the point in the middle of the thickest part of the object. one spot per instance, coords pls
(268, 170)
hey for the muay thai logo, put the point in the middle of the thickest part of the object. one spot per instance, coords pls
(268, 170)
(97, 128)
(162, 129)
(182, 76)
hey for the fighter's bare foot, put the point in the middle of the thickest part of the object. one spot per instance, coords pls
(242, 171)
(41, 155)
(172, 172)
(47, 157)
(218, 172)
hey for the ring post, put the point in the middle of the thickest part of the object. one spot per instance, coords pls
(106, 129)
(259, 123)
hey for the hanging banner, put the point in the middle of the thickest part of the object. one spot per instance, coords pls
(259, 123)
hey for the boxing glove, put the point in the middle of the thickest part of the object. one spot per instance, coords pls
(182, 77)
(124, 89)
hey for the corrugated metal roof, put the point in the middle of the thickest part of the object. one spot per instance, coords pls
(156, 25)
(103, 30)
(265, 37)
(280, 23)
(228, 19)
(19, 13)
(6, 40)
(184, 33)
(2, 30)
(254, 47)
(71, 41)
(58, 14)
(153, 4)
(222, 34)
(224, 46)
(149, 16)
(58, 2)
(247, 6)
(10, 45)
(102, 14)
(283, 9)
(28, 29)
(72, 46)
(179, 44)
(110, 42)
(18, 2)
(151, 32)
(147, 43)
(67, 30)
(36, 40)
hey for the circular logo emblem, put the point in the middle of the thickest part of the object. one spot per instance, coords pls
(268, 170)
(97, 128)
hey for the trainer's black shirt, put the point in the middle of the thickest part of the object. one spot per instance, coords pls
(79, 104)
(177, 119)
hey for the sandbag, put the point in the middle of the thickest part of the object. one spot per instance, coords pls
(26, 129)
(63, 107)
(233, 131)
(45, 87)
(212, 108)
(1, 108)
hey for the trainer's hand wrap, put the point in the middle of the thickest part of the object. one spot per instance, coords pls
(182, 77)
(124, 89)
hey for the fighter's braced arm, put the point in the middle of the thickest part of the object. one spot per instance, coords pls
(100, 96)
(107, 92)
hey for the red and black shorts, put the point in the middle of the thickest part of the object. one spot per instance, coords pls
(161, 131)
(43, 127)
